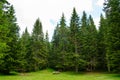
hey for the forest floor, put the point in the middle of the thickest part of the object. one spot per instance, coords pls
(48, 75)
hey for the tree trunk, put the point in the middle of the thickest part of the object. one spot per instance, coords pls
(76, 52)
(76, 68)
(108, 63)
(108, 66)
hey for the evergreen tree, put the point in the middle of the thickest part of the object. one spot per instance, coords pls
(60, 44)
(3, 33)
(12, 56)
(83, 34)
(92, 44)
(102, 43)
(112, 10)
(88, 42)
(38, 54)
(83, 43)
(11, 30)
(54, 49)
(63, 43)
(48, 47)
(74, 31)
(25, 50)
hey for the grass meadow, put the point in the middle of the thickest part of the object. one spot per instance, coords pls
(48, 75)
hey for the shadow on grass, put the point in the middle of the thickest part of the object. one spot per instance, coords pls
(74, 73)
(116, 75)
(10, 74)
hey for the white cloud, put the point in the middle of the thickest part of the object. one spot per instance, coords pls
(27, 11)
(100, 3)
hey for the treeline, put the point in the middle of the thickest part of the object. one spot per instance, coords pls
(78, 46)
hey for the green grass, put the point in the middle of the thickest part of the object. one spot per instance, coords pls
(48, 75)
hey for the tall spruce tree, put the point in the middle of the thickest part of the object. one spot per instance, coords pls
(47, 47)
(112, 10)
(38, 53)
(83, 34)
(11, 55)
(74, 31)
(88, 42)
(92, 44)
(102, 43)
(60, 44)
(54, 48)
(3, 33)
(63, 43)
(84, 40)
(25, 50)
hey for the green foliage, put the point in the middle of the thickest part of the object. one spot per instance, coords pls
(47, 47)
(24, 50)
(9, 33)
(38, 55)
(102, 43)
(74, 31)
(3, 32)
(92, 39)
(112, 10)
(88, 42)
(60, 45)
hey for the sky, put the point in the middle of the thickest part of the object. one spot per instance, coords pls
(50, 11)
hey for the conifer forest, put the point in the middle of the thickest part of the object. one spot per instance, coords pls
(78, 46)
